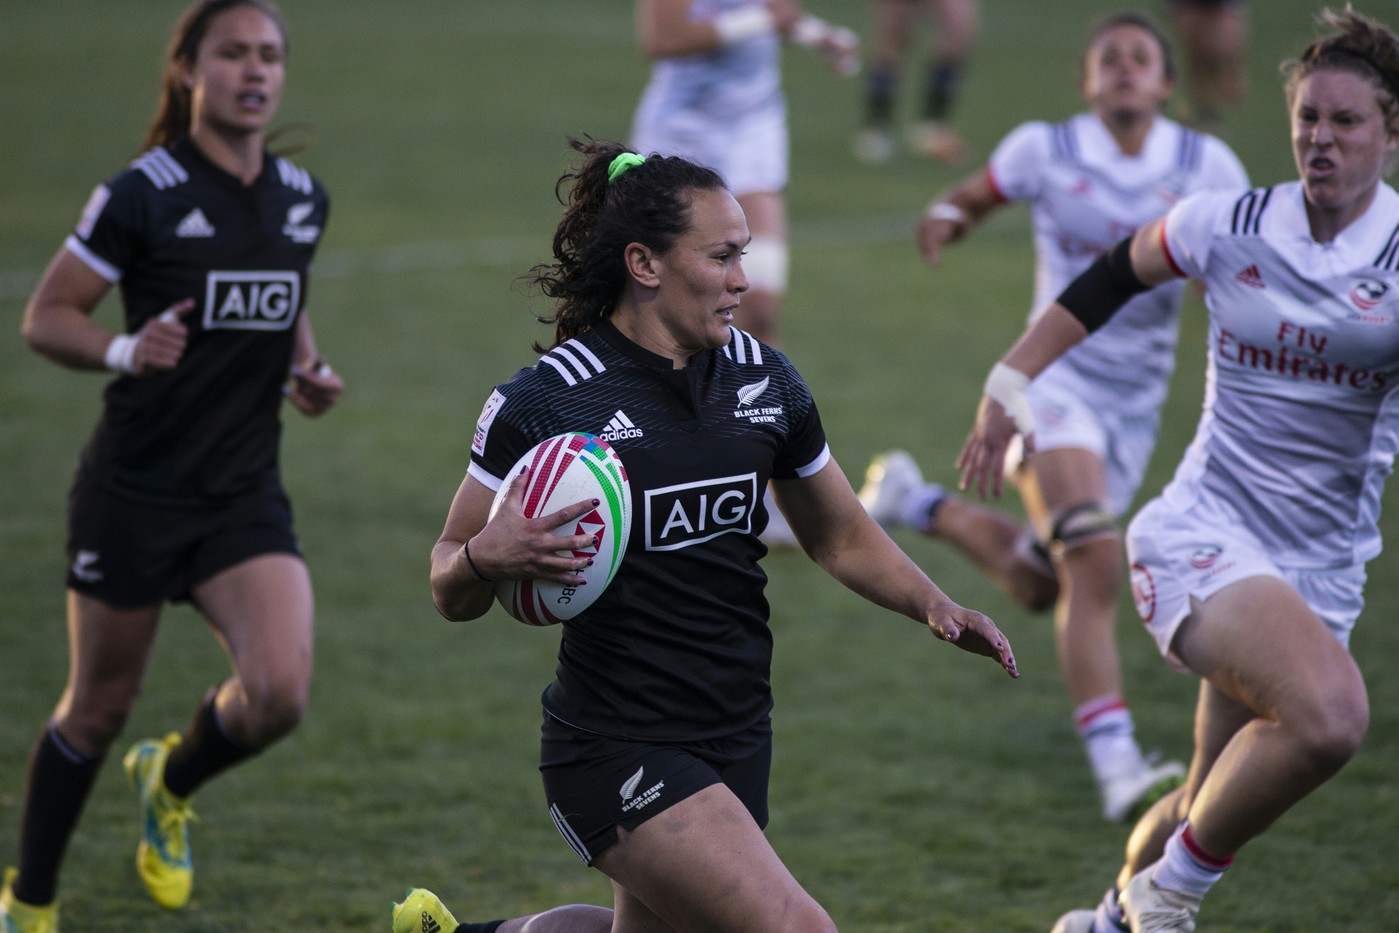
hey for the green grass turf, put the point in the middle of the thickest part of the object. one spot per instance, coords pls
(914, 788)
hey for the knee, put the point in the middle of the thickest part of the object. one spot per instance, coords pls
(1336, 727)
(274, 709)
(93, 716)
(1034, 591)
(1094, 569)
(92, 730)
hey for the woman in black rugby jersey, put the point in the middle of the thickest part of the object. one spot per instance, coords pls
(656, 742)
(178, 495)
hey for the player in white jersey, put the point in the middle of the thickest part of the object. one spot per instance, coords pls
(669, 671)
(1249, 568)
(1089, 181)
(715, 97)
(894, 24)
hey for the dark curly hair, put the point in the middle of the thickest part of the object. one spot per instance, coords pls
(649, 203)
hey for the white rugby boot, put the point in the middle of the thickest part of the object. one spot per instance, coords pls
(1152, 909)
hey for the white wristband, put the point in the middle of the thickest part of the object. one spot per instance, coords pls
(738, 25)
(946, 210)
(121, 352)
(1007, 386)
(839, 44)
(810, 31)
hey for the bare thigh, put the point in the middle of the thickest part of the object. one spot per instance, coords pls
(109, 651)
(704, 866)
(263, 612)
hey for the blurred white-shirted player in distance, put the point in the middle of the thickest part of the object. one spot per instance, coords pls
(715, 97)
(1249, 568)
(956, 24)
(1089, 181)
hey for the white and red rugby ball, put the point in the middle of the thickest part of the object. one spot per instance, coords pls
(565, 469)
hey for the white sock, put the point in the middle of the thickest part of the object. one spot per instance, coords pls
(1105, 725)
(1187, 867)
(919, 511)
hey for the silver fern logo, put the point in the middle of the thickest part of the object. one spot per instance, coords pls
(749, 393)
(629, 788)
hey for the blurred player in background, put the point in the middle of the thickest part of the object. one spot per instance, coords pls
(1214, 35)
(656, 745)
(1249, 569)
(715, 97)
(178, 496)
(1089, 181)
(956, 24)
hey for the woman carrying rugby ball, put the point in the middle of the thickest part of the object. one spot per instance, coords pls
(656, 742)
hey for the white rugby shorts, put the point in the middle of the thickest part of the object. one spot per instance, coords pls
(1177, 554)
(1074, 413)
(750, 150)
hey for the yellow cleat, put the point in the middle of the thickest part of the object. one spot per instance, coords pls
(18, 917)
(163, 857)
(422, 912)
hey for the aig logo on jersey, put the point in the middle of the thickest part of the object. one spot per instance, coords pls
(690, 513)
(251, 300)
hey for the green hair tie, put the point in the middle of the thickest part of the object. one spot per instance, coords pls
(623, 162)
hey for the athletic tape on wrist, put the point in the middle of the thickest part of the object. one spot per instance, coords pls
(738, 25)
(946, 210)
(1007, 386)
(121, 353)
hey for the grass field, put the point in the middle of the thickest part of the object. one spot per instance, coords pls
(914, 789)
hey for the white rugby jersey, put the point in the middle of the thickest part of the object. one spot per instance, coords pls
(719, 85)
(1085, 196)
(1301, 423)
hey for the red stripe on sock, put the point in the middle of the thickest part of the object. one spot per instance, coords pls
(1091, 710)
(1206, 859)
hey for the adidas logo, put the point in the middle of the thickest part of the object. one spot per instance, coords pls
(1251, 277)
(620, 427)
(195, 224)
(430, 924)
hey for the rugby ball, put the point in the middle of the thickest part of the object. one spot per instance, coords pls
(563, 470)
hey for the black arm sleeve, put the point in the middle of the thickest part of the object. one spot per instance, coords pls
(1103, 287)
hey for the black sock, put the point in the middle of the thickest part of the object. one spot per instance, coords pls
(479, 927)
(203, 752)
(59, 780)
(879, 97)
(943, 80)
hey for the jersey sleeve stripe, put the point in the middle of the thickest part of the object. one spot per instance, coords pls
(1171, 260)
(94, 262)
(582, 350)
(161, 168)
(1388, 259)
(1248, 212)
(995, 186)
(1190, 151)
(566, 355)
(743, 348)
(562, 369)
(293, 176)
(817, 465)
(493, 483)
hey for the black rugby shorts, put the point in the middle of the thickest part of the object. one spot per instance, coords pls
(131, 554)
(595, 783)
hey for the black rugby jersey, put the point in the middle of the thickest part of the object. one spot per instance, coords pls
(677, 648)
(176, 226)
